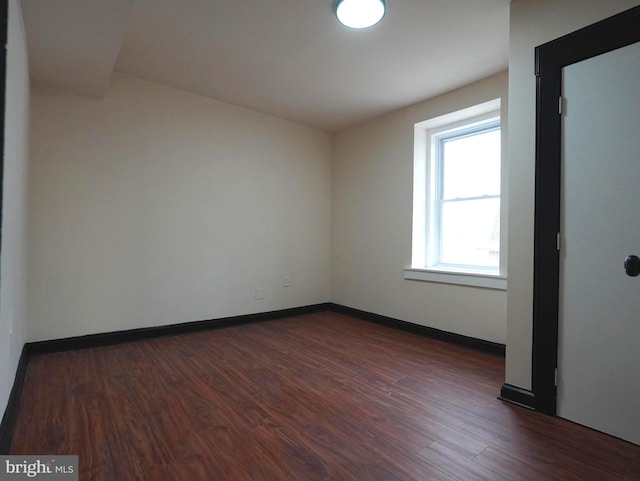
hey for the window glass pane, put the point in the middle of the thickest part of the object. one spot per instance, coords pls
(471, 165)
(470, 233)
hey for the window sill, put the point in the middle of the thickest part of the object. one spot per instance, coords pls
(487, 281)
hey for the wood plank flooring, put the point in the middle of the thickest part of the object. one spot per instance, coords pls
(317, 397)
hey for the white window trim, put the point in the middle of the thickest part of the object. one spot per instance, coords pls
(488, 281)
(423, 181)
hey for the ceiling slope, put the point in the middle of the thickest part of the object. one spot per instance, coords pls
(74, 44)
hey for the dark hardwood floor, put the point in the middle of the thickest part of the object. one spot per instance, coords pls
(316, 397)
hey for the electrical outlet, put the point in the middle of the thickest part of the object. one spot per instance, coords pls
(11, 343)
(259, 292)
(287, 281)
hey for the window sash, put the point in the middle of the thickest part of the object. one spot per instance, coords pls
(477, 228)
(438, 201)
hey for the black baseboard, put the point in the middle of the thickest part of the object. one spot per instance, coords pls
(11, 412)
(518, 396)
(131, 335)
(478, 344)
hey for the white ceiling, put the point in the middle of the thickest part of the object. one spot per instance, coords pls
(288, 58)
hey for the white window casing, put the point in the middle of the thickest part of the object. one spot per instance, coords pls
(429, 202)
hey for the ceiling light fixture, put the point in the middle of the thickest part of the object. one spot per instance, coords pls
(360, 13)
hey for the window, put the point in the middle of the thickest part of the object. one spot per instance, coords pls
(457, 203)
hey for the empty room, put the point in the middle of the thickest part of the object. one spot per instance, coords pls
(320, 240)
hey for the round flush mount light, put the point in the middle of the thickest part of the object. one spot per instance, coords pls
(360, 13)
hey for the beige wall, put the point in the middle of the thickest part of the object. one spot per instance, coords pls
(533, 22)
(154, 206)
(14, 205)
(372, 216)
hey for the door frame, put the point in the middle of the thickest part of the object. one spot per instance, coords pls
(602, 37)
(4, 29)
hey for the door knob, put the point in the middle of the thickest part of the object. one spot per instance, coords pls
(632, 266)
